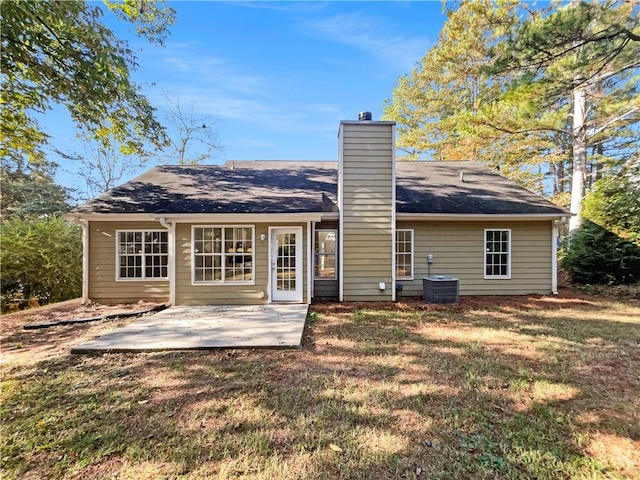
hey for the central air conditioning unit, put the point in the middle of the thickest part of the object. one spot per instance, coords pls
(440, 289)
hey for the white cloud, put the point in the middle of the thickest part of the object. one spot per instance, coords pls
(216, 86)
(372, 35)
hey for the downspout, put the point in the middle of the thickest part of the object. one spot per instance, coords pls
(312, 258)
(172, 258)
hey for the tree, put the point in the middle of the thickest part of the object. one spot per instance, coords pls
(572, 52)
(41, 258)
(474, 97)
(614, 203)
(192, 140)
(40, 252)
(598, 256)
(100, 169)
(61, 53)
(30, 191)
(448, 108)
(192, 137)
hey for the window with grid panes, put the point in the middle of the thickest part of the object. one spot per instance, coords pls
(142, 254)
(404, 254)
(497, 257)
(223, 254)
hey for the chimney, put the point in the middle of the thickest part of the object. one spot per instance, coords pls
(366, 198)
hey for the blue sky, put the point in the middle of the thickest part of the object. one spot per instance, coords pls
(278, 76)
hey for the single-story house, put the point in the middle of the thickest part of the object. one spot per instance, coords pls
(364, 228)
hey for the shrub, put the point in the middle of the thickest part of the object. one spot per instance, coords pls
(596, 255)
(41, 258)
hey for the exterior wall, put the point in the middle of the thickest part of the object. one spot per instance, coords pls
(103, 287)
(366, 197)
(323, 288)
(458, 250)
(188, 294)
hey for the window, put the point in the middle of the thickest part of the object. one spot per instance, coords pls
(404, 254)
(142, 254)
(325, 251)
(223, 254)
(497, 257)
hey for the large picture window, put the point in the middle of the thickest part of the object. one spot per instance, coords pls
(223, 254)
(404, 254)
(325, 254)
(497, 256)
(142, 254)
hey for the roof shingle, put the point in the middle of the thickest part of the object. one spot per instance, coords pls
(300, 187)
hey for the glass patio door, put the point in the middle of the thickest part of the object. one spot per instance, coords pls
(286, 264)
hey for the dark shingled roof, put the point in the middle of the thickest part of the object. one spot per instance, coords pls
(299, 187)
(436, 187)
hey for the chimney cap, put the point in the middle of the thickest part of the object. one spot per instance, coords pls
(364, 116)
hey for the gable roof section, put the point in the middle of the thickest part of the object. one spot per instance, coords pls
(235, 187)
(302, 187)
(436, 188)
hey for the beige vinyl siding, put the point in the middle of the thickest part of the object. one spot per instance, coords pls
(103, 287)
(458, 250)
(188, 294)
(366, 203)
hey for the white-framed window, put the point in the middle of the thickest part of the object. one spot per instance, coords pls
(325, 254)
(404, 254)
(223, 254)
(142, 254)
(497, 253)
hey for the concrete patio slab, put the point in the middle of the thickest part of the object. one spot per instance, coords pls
(206, 327)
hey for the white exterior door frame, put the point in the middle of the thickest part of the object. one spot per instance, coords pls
(285, 267)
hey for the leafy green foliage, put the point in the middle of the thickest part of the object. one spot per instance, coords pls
(41, 258)
(596, 255)
(30, 192)
(497, 88)
(572, 45)
(61, 53)
(614, 203)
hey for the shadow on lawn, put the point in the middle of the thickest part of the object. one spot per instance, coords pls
(379, 384)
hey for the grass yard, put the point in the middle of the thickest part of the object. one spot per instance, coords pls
(527, 387)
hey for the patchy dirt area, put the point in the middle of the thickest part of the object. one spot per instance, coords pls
(19, 345)
(492, 387)
(567, 297)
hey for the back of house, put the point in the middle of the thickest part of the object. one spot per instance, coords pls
(364, 228)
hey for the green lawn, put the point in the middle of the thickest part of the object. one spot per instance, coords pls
(528, 387)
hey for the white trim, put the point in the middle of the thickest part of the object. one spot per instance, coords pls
(171, 263)
(309, 262)
(341, 212)
(199, 217)
(393, 213)
(223, 255)
(554, 258)
(299, 290)
(412, 253)
(484, 255)
(335, 255)
(302, 217)
(464, 217)
(143, 278)
(85, 260)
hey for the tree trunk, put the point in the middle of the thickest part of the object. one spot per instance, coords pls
(579, 156)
